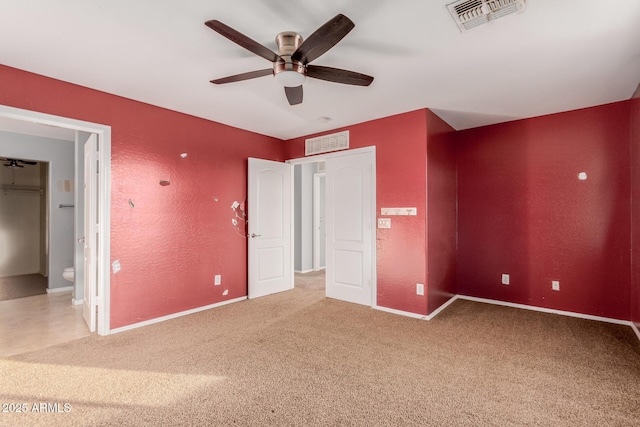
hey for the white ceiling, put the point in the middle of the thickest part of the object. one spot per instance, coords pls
(559, 55)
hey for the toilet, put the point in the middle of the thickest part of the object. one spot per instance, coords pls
(69, 274)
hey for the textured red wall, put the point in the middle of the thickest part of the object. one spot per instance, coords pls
(522, 211)
(176, 238)
(635, 197)
(401, 153)
(441, 213)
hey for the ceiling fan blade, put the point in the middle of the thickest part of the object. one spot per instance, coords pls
(242, 40)
(323, 39)
(294, 95)
(243, 76)
(338, 75)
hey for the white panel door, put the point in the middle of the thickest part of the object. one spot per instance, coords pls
(350, 230)
(269, 214)
(90, 228)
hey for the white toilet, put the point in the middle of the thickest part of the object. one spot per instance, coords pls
(69, 274)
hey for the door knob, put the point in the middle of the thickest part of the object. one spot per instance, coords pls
(81, 240)
(254, 235)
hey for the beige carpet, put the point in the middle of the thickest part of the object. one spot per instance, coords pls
(299, 359)
(26, 285)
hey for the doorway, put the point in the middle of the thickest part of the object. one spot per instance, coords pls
(23, 225)
(32, 120)
(350, 214)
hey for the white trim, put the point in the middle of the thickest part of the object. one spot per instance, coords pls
(415, 315)
(324, 157)
(635, 329)
(316, 220)
(175, 315)
(62, 289)
(104, 211)
(442, 307)
(400, 312)
(547, 310)
(77, 301)
(303, 271)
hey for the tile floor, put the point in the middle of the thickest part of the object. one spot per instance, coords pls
(40, 321)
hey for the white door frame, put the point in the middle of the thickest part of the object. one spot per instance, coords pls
(324, 157)
(316, 221)
(104, 187)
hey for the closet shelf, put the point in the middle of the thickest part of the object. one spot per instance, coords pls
(26, 189)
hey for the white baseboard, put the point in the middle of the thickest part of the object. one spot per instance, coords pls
(513, 305)
(635, 329)
(547, 310)
(63, 289)
(442, 307)
(400, 312)
(303, 271)
(77, 301)
(416, 315)
(174, 315)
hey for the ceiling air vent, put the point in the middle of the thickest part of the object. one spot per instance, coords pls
(471, 13)
(326, 143)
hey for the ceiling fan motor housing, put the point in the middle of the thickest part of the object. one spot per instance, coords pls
(288, 72)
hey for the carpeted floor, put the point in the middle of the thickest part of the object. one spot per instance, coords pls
(299, 359)
(26, 285)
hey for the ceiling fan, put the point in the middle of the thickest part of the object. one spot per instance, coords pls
(291, 64)
(17, 163)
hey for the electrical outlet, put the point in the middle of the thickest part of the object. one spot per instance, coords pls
(217, 280)
(384, 222)
(419, 289)
(505, 279)
(555, 285)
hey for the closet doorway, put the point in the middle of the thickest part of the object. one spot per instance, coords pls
(24, 251)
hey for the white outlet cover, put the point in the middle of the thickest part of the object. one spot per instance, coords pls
(505, 279)
(555, 285)
(419, 289)
(217, 279)
(384, 222)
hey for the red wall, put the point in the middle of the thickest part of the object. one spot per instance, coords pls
(635, 197)
(441, 212)
(401, 153)
(522, 211)
(176, 238)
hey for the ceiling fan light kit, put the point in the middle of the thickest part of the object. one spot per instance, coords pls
(289, 73)
(290, 66)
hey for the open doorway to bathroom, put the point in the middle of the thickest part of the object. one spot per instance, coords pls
(58, 316)
(24, 249)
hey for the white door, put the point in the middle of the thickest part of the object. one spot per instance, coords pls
(269, 219)
(90, 228)
(350, 229)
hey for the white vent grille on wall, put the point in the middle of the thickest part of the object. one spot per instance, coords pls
(471, 13)
(326, 143)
